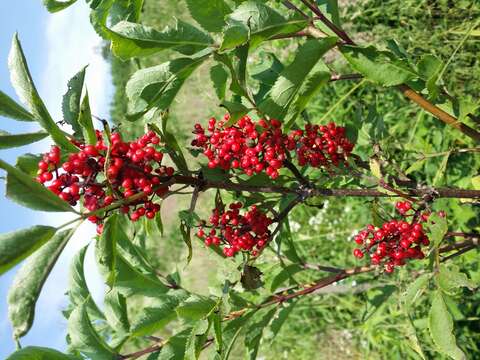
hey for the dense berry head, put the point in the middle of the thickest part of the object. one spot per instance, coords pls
(396, 241)
(252, 147)
(133, 167)
(261, 146)
(321, 146)
(236, 231)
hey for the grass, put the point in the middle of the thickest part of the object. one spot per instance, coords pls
(349, 324)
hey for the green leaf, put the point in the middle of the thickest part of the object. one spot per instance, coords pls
(157, 86)
(130, 280)
(185, 230)
(266, 73)
(8, 141)
(440, 174)
(429, 68)
(209, 14)
(236, 111)
(232, 330)
(175, 347)
(158, 314)
(254, 332)
(312, 86)
(217, 331)
(28, 163)
(174, 150)
(27, 192)
(78, 292)
(29, 280)
(219, 77)
(415, 290)
(292, 77)
(116, 311)
(71, 100)
(159, 223)
(440, 325)
(196, 340)
(254, 22)
(375, 168)
(437, 228)
(54, 5)
(196, 307)
(105, 247)
(450, 279)
(286, 273)
(39, 353)
(280, 318)
(330, 9)
(86, 122)
(26, 91)
(133, 40)
(11, 109)
(476, 182)
(84, 338)
(381, 67)
(99, 15)
(18, 245)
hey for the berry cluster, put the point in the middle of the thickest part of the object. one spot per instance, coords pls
(395, 242)
(133, 167)
(252, 147)
(236, 232)
(261, 146)
(322, 145)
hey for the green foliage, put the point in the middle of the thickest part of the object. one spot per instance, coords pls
(39, 353)
(130, 39)
(382, 67)
(254, 21)
(292, 77)
(26, 91)
(17, 245)
(156, 87)
(54, 5)
(29, 280)
(210, 14)
(440, 325)
(71, 101)
(225, 307)
(15, 140)
(83, 336)
(11, 109)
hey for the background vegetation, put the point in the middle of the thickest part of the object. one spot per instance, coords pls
(351, 319)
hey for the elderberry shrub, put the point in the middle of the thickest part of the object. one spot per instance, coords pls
(259, 146)
(236, 232)
(396, 241)
(133, 167)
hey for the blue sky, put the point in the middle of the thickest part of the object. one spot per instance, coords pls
(56, 47)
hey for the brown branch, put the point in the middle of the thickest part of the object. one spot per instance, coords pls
(439, 113)
(279, 297)
(337, 77)
(339, 32)
(148, 350)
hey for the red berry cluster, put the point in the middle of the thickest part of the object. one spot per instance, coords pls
(395, 242)
(251, 146)
(133, 167)
(236, 232)
(322, 145)
(261, 146)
